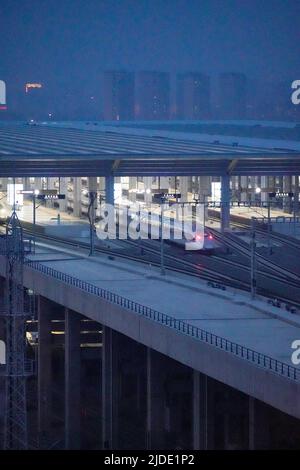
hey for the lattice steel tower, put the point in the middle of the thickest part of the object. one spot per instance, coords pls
(15, 426)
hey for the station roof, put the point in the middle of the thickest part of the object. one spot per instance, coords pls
(97, 148)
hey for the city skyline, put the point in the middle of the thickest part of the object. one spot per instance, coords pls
(255, 99)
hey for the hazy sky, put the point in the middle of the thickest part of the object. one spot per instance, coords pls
(72, 41)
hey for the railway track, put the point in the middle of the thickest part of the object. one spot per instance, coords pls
(222, 260)
(286, 240)
(233, 242)
(178, 264)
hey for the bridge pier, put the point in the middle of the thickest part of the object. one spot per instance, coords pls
(200, 411)
(45, 310)
(109, 398)
(259, 430)
(156, 370)
(174, 405)
(72, 380)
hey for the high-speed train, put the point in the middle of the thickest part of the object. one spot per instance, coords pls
(201, 242)
(190, 239)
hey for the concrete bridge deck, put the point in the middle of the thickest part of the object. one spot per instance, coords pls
(138, 302)
(230, 314)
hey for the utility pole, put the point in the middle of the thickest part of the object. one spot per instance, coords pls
(253, 260)
(204, 211)
(34, 219)
(296, 203)
(162, 248)
(91, 216)
(36, 192)
(294, 219)
(269, 226)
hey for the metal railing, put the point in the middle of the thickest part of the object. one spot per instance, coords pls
(242, 352)
(281, 219)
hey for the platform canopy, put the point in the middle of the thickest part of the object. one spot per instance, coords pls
(99, 149)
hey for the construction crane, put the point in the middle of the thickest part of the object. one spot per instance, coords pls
(17, 367)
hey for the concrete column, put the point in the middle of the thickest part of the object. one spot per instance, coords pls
(77, 194)
(184, 188)
(63, 189)
(109, 389)
(264, 184)
(51, 185)
(109, 189)
(26, 184)
(251, 423)
(244, 188)
(164, 182)
(225, 200)
(200, 411)
(132, 186)
(253, 183)
(287, 188)
(173, 183)
(92, 183)
(102, 184)
(3, 186)
(44, 370)
(204, 186)
(148, 189)
(93, 187)
(2, 287)
(296, 194)
(37, 183)
(235, 183)
(72, 380)
(259, 425)
(156, 372)
(204, 191)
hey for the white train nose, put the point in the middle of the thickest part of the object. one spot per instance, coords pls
(195, 245)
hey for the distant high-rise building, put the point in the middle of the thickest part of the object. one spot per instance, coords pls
(271, 99)
(35, 102)
(232, 96)
(2, 96)
(118, 96)
(193, 96)
(152, 95)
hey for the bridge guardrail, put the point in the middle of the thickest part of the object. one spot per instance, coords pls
(281, 219)
(260, 359)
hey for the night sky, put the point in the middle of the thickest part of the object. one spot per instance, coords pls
(72, 41)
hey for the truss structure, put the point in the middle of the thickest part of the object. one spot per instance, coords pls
(17, 367)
